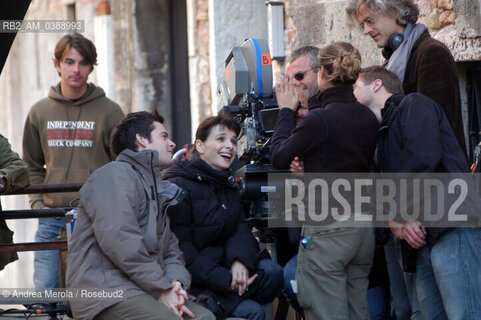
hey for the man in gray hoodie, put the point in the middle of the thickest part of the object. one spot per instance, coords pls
(122, 238)
(66, 137)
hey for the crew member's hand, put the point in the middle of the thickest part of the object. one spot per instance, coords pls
(297, 166)
(413, 234)
(286, 94)
(396, 229)
(240, 277)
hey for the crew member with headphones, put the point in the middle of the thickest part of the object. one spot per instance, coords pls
(394, 41)
(424, 65)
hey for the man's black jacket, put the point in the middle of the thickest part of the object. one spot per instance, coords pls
(416, 137)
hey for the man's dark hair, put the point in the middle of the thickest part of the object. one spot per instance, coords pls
(390, 80)
(124, 134)
(310, 51)
(83, 45)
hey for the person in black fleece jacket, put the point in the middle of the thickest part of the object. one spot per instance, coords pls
(339, 137)
(229, 273)
(416, 137)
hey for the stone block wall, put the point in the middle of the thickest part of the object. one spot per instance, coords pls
(319, 22)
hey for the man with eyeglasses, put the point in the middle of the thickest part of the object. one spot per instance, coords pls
(423, 64)
(302, 66)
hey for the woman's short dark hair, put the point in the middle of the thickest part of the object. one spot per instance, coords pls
(124, 134)
(205, 127)
(83, 45)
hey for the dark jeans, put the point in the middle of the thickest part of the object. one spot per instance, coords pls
(45, 273)
(267, 287)
(448, 276)
(403, 284)
(378, 303)
(290, 275)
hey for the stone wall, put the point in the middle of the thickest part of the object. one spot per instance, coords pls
(321, 22)
(151, 56)
(199, 64)
(124, 51)
(455, 23)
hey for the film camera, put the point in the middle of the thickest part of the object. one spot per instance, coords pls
(246, 92)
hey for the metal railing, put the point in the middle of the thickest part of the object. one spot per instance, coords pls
(61, 243)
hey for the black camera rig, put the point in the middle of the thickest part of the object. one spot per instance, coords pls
(247, 93)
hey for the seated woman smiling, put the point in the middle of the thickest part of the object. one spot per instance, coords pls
(228, 271)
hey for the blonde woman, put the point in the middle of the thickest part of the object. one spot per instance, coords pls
(340, 137)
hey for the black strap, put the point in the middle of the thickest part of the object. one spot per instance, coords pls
(474, 109)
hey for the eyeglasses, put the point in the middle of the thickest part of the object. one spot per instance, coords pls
(369, 20)
(300, 75)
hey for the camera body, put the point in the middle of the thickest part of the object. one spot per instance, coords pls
(246, 93)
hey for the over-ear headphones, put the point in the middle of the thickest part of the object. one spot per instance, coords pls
(393, 43)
